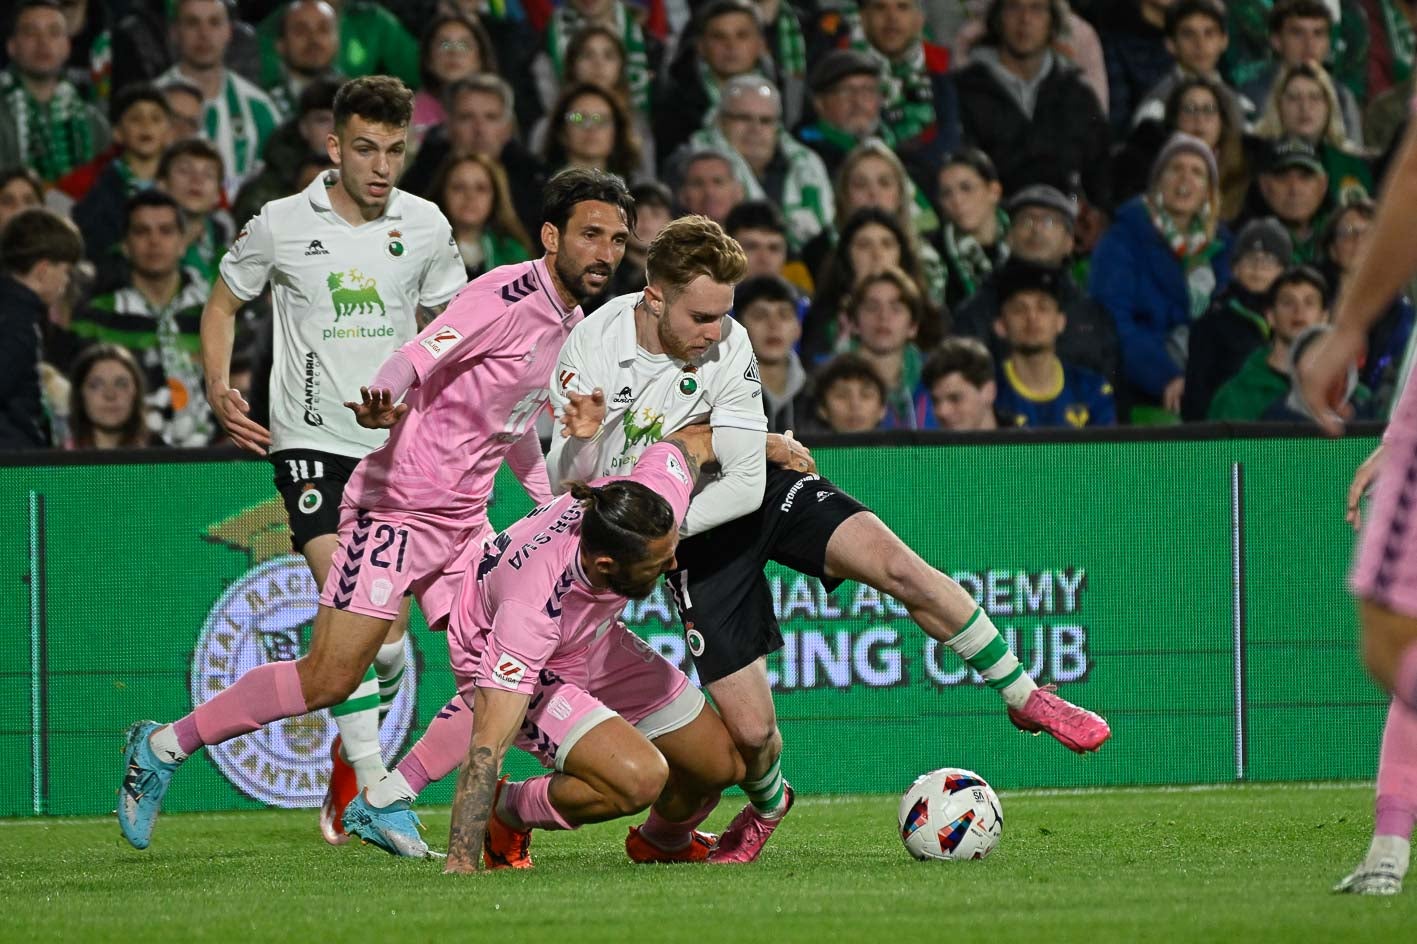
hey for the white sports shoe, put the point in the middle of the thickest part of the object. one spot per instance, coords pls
(1380, 878)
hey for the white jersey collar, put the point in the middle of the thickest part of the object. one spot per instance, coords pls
(318, 195)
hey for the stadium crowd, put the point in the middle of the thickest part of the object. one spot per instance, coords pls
(958, 215)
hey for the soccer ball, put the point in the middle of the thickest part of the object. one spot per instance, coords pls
(950, 813)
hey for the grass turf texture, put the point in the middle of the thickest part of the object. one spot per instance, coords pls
(1245, 864)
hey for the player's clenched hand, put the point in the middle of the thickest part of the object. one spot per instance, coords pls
(583, 414)
(1323, 378)
(377, 410)
(787, 452)
(1363, 478)
(230, 409)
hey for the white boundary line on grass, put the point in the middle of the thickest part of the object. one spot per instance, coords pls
(1044, 793)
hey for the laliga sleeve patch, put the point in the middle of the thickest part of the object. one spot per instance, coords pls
(441, 341)
(509, 671)
(676, 469)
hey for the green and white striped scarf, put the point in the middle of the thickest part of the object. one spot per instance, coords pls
(789, 46)
(907, 95)
(1400, 40)
(54, 138)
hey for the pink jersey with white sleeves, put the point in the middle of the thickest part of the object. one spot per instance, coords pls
(530, 601)
(483, 368)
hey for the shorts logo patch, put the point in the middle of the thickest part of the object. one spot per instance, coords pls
(695, 640)
(381, 590)
(559, 708)
(676, 469)
(823, 496)
(310, 500)
(441, 341)
(509, 671)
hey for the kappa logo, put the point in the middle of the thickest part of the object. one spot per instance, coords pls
(441, 341)
(316, 248)
(626, 395)
(509, 671)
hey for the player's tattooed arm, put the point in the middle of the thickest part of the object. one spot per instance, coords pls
(424, 316)
(696, 445)
(497, 716)
(787, 452)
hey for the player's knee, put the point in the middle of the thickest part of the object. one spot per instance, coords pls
(324, 685)
(754, 736)
(1379, 655)
(640, 783)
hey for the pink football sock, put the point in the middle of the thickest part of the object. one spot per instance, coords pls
(442, 748)
(267, 693)
(530, 802)
(1397, 773)
(669, 835)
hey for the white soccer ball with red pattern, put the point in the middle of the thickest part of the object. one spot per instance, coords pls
(950, 813)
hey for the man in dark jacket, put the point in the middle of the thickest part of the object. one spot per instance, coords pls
(1041, 231)
(1133, 35)
(38, 251)
(1030, 110)
(1232, 329)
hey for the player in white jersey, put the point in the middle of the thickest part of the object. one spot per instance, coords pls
(670, 356)
(351, 261)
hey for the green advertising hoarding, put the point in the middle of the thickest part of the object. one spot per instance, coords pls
(1191, 591)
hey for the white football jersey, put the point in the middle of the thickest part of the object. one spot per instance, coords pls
(648, 396)
(345, 297)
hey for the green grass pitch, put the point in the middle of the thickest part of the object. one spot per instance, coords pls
(1241, 864)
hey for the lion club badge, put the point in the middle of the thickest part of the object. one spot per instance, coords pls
(266, 615)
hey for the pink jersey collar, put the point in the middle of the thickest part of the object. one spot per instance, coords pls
(543, 278)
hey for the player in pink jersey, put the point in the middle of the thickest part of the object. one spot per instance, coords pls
(523, 644)
(1384, 574)
(415, 509)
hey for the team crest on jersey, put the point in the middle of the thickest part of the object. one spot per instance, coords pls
(265, 615)
(395, 247)
(688, 385)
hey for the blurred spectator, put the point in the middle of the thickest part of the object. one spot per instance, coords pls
(760, 230)
(766, 306)
(959, 377)
(972, 237)
(873, 176)
(707, 185)
(590, 128)
(371, 41)
(919, 115)
(787, 47)
(846, 102)
(640, 55)
(726, 41)
(1226, 335)
(20, 189)
(596, 54)
(44, 122)
(1300, 33)
(654, 208)
(453, 47)
(1297, 300)
(1030, 110)
(1342, 239)
(106, 395)
(38, 251)
(1291, 408)
(848, 396)
(871, 241)
(1157, 267)
(1133, 34)
(885, 312)
(1303, 105)
(1035, 387)
(157, 315)
(237, 115)
(308, 42)
(299, 138)
(1196, 37)
(767, 161)
(1386, 112)
(1076, 42)
(1293, 186)
(185, 105)
(473, 194)
(482, 120)
(191, 172)
(1041, 231)
(142, 127)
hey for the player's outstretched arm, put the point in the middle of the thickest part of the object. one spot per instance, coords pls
(377, 409)
(786, 451)
(695, 443)
(496, 717)
(230, 408)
